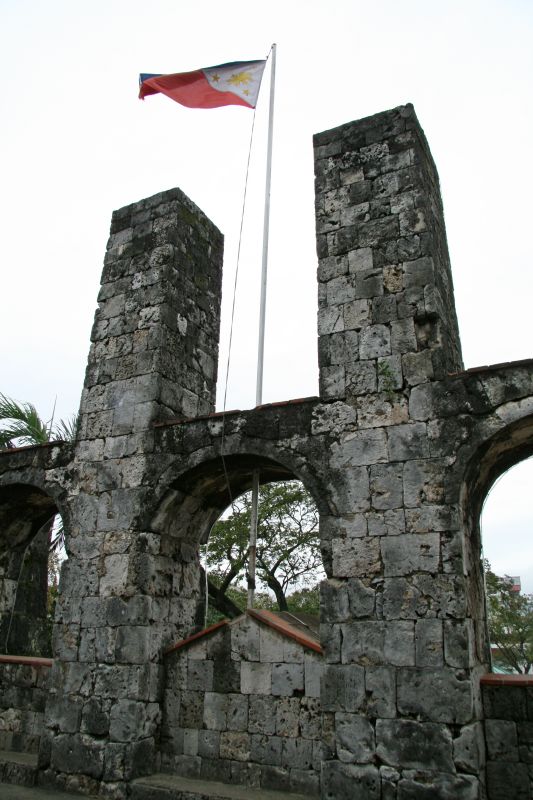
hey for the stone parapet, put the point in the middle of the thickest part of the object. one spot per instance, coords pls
(508, 707)
(23, 695)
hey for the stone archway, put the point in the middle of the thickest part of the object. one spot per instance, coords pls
(490, 457)
(507, 717)
(215, 722)
(191, 505)
(26, 516)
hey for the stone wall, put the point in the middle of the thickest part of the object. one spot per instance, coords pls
(23, 695)
(398, 452)
(242, 706)
(508, 706)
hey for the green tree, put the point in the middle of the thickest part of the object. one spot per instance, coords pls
(510, 618)
(288, 548)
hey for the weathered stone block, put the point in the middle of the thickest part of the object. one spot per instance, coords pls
(355, 738)
(296, 753)
(360, 449)
(355, 315)
(190, 742)
(459, 643)
(506, 780)
(426, 786)
(200, 675)
(429, 643)
(525, 741)
(237, 712)
(262, 714)
(510, 703)
(409, 553)
(256, 678)
(386, 486)
(266, 749)
(304, 782)
(287, 679)
(313, 669)
(270, 645)
(208, 744)
(310, 719)
(408, 744)
(435, 695)
(386, 523)
(374, 342)
(235, 745)
(95, 717)
(275, 778)
(215, 711)
(380, 690)
(332, 382)
(502, 740)
(363, 643)
(406, 442)
(66, 712)
(131, 720)
(78, 754)
(352, 495)
(356, 557)
(132, 644)
(342, 688)
(287, 716)
(350, 782)
(469, 749)
(191, 711)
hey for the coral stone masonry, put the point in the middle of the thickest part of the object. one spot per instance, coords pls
(398, 451)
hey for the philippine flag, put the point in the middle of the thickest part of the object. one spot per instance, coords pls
(231, 84)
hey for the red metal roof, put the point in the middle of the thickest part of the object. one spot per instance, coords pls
(281, 625)
(506, 680)
(297, 632)
(196, 636)
(28, 661)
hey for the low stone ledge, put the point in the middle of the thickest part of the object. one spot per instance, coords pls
(219, 414)
(43, 446)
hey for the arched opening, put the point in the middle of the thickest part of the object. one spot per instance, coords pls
(494, 597)
(31, 553)
(289, 564)
(197, 499)
(506, 524)
(242, 697)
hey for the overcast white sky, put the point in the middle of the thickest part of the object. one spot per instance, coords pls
(77, 143)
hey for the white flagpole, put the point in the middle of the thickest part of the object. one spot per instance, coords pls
(261, 344)
(266, 226)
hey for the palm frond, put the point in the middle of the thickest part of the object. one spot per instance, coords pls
(67, 429)
(20, 424)
(57, 534)
(21, 421)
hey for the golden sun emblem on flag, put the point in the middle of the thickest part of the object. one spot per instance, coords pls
(240, 78)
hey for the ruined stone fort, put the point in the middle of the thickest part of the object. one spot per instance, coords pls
(395, 701)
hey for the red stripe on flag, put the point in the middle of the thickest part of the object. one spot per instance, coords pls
(191, 89)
